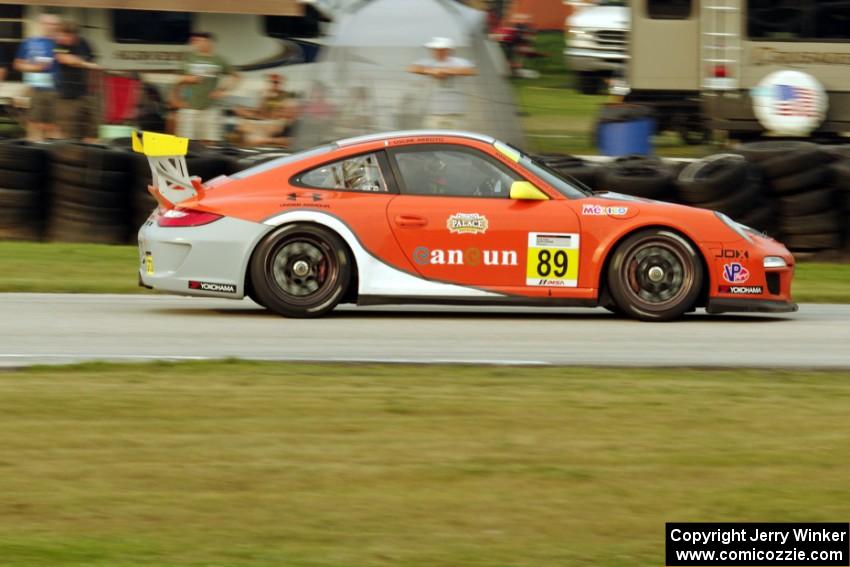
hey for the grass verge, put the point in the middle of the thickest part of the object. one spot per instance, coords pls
(96, 268)
(245, 464)
(556, 118)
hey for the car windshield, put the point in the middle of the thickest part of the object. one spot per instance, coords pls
(283, 161)
(566, 186)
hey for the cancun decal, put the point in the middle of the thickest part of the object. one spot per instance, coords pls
(472, 256)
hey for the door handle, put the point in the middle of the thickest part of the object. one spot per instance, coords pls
(410, 221)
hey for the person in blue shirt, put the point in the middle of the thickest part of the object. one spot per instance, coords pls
(35, 61)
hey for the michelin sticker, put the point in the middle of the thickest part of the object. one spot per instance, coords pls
(552, 259)
(467, 223)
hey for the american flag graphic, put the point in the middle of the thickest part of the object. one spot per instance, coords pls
(795, 101)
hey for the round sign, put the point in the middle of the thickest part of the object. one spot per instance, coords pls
(791, 103)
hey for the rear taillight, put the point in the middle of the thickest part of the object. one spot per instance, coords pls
(186, 217)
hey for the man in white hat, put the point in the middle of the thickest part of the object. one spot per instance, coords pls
(446, 104)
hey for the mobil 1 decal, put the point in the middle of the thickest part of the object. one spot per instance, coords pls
(552, 259)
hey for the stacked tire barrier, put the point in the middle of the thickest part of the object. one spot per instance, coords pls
(730, 184)
(89, 197)
(23, 176)
(798, 192)
(800, 178)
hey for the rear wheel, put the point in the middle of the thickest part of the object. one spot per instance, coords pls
(655, 275)
(300, 271)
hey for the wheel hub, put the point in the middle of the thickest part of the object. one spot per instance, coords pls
(655, 274)
(301, 268)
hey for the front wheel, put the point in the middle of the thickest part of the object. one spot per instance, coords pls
(655, 275)
(300, 271)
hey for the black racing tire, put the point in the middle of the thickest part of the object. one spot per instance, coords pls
(637, 159)
(829, 221)
(761, 217)
(841, 173)
(737, 203)
(794, 162)
(16, 216)
(586, 175)
(799, 182)
(315, 293)
(649, 181)
(590, 83)
(63, 229)
(92, 156)
(89, 197)
(94, 216)
(206, 166)
(17, 199)
(708, 181)
(760, 151)
(23, 155)
(819, 241)
(99, 179)
(22, 180)
(629, 276)
(808, 202)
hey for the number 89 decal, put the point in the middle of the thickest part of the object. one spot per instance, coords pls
(552, 260)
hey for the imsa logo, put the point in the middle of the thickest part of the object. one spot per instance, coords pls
(209, 286)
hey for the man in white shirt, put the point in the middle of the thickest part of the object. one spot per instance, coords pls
(446, 104)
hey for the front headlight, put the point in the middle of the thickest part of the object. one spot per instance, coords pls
(578, 34)
(775, 262)
(739, 229)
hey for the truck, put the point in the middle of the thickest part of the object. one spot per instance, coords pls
(596, 38)
(744, 68)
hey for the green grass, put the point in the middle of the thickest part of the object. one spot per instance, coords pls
(556, 118)
(74, 268)
(97, 268)
(822, 283)
(259, 464)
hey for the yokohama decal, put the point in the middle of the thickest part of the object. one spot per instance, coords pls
(209, 286)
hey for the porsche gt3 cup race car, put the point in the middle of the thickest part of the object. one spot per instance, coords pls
(442, 217)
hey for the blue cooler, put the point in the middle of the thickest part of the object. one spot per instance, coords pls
(625, 129)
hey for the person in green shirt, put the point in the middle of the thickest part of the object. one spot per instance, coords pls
(206, 79)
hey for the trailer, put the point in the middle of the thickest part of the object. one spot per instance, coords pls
(744, 68)
(149, 37)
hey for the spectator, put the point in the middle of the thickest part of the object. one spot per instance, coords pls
(76, 107)
(35, 60)
(200, 88)
(446, 106)
(272, 97)
(278, 131)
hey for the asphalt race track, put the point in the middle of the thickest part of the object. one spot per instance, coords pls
(63, 328)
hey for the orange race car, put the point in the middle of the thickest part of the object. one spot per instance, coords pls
(442, 217)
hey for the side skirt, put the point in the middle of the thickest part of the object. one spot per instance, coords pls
(366, 300)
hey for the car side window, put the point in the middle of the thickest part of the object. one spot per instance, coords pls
(452, 172)
(358, 173)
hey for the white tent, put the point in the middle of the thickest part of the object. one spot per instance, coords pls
(362, 84)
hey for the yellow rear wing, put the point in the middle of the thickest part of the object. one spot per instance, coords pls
(167, 159)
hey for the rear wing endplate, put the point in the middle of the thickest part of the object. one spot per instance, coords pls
(167, 159)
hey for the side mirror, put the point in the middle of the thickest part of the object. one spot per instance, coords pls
(526, 191)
